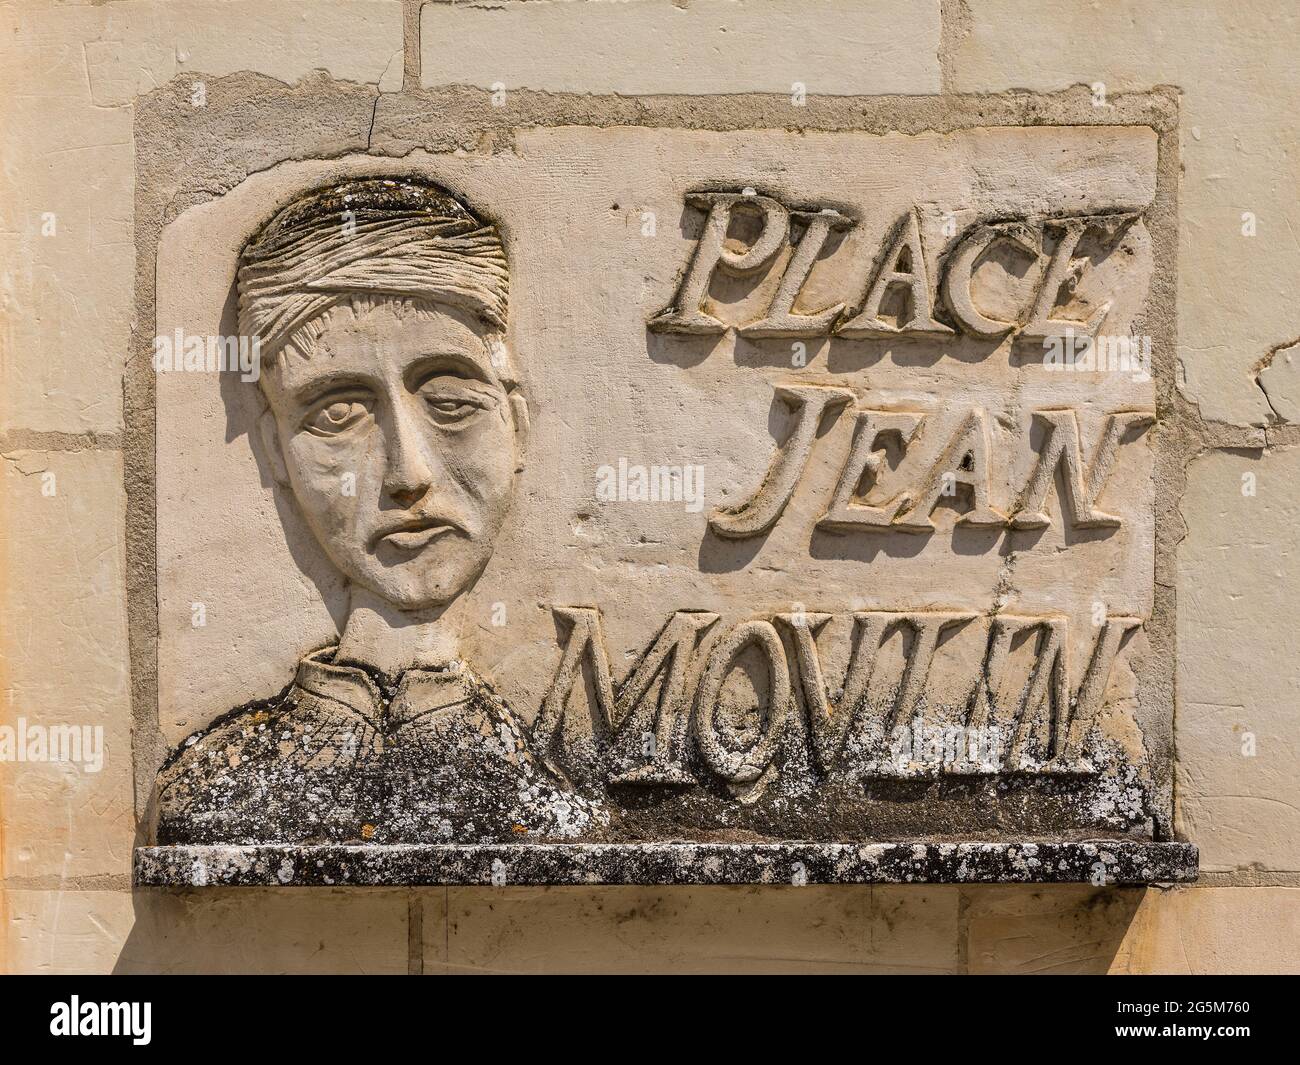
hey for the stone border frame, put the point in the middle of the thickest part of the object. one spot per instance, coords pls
(501, 864)
(186, 155)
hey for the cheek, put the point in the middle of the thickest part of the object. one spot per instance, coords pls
(328, 479)
(485, 453)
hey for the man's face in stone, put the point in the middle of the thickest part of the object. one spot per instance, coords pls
(401, 445)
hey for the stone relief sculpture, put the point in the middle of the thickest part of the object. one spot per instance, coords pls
(395, 418)
(393, 414)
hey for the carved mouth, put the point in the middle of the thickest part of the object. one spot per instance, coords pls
(413, 534)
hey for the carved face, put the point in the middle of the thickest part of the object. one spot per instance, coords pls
(401, 445)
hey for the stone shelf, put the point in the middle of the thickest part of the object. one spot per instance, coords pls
(1121, 861)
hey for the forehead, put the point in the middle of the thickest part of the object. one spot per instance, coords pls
(384, 340)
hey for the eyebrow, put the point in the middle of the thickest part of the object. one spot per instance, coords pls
(462, 365)
(332, 380)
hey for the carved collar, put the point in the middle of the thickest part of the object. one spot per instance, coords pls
(417, 693)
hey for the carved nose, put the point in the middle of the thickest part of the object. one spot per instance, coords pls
(409, 474)
(408, 477)
(407, 497)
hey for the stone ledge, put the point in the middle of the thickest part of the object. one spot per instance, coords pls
(1125, 862)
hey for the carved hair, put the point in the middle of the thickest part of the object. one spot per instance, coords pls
(399, 238)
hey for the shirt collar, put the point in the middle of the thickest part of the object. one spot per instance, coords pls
(419, 692)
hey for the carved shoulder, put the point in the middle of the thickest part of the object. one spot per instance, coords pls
(223, 736)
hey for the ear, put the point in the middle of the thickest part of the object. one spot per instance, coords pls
(519, 408)
(270, 433)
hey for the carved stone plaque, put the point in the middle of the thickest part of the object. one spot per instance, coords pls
(645, 504)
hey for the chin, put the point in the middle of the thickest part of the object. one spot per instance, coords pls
(427, 581)
(420, 590)
(409, 597)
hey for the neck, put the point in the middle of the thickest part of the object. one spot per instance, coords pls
(391, 640)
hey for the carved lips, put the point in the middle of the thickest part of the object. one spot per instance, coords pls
(412, 534)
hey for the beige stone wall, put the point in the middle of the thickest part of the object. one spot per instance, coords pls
(71, 78)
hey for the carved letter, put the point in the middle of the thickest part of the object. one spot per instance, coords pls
(672, 649)
(627, 713)
(780, 321)
(924, 630)
(1072, 756)
(913, 275)
(844, 514)
(743, 767)
(961, 264)
(760, 513)
(1044, 711)
(685, 315)
(964, 461)
(585, 640)
(1041, 328)
(1045, 701)
(829, 723)
(1062, 449)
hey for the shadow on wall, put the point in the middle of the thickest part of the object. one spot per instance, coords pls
(911, 928)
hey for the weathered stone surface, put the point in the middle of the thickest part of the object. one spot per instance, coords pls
(1240, 124)
(1214, 930)
(1280, 380)
(106, 144)
(344, 756)
(677, 363)
(133, 48)
(69, 75)
(1181, 930)
(65, 722)
(162, 931)
(1237, 722)
(64, 931)
(69, 259)
(1101, 861)
(706, 46)
(270, 931)
(1064, 928)
(692, 930)
(1057, 929)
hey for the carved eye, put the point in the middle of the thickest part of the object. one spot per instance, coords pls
(337, 415)
(451, 400)
(451, 409)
